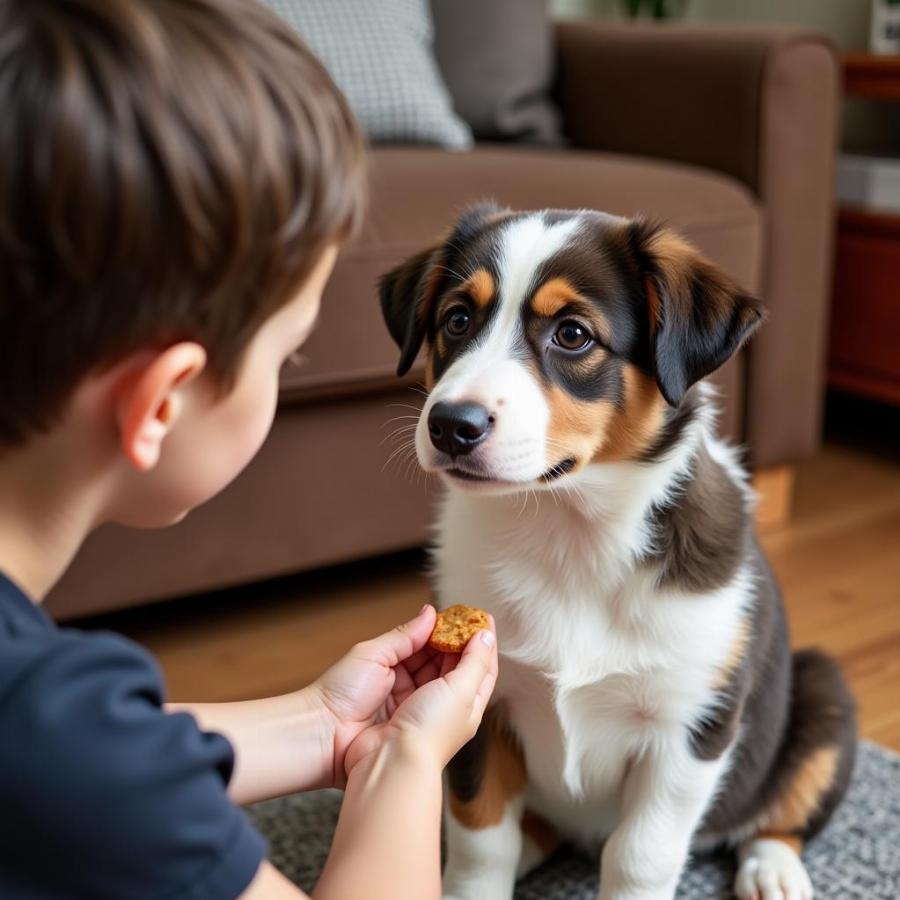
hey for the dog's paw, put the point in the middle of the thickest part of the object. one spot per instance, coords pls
(456, 895)
(771, 870)
(456, 892)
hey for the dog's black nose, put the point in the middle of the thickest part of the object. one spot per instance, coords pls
(458, 428)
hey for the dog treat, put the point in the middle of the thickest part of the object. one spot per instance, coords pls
(455, 625)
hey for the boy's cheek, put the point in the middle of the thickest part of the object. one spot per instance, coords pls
(204, 453)
(230, 442)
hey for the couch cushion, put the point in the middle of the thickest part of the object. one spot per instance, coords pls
(417, 192)
(381, 57)
(498, 59)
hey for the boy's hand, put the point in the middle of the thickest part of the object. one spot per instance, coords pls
(395, 685)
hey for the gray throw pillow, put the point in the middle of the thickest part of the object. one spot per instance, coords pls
(498, 59)
(379, 53)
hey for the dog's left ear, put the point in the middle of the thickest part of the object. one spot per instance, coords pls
(408, 291)
(406, 294)
(698, 317)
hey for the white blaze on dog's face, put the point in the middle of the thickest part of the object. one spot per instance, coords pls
(490, 372)
(555, 340)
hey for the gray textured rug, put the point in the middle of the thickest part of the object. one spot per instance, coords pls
(857, 857)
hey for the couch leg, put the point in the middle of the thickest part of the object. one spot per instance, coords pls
(775, 496)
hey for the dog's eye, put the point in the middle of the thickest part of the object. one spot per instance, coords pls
(456, 322)
(571, 336)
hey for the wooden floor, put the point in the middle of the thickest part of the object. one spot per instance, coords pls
(838, 561)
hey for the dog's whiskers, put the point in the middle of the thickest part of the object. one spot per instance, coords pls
(400, 452)
(412, 406)
(398, 418)
(400, 431)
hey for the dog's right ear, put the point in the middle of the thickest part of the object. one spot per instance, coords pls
(698, 317)
(408, 292)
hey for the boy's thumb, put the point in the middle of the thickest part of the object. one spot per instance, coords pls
(401, 642)
(474, 663)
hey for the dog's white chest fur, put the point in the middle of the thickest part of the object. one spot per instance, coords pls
(597, 663)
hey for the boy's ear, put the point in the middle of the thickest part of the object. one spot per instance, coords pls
(148, 403)
(408, 291)
(698, 317)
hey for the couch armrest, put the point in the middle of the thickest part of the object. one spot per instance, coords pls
(759, 104)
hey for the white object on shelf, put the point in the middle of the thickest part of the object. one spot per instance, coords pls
(872, 182)
(884, 36)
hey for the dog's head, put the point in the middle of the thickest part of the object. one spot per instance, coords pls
(556, 339)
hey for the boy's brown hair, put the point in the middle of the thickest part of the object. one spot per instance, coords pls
(168, 170)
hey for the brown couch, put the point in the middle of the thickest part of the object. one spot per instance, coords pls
(726, 133)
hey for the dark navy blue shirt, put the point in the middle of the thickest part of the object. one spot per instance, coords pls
(103, 794)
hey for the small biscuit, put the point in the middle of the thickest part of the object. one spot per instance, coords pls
(455, 625)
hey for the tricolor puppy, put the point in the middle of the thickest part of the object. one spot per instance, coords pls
(648, 699)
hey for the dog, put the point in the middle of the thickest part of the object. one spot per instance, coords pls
(648, 701)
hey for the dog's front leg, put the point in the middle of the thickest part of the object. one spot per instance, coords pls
(482, 861)
(666, 792)
(483, 813)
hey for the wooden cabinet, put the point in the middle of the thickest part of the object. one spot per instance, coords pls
(864, 356)
(864, 353)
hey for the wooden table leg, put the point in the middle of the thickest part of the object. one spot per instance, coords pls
(774, 486)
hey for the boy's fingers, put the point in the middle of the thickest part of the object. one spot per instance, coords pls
(405, 640)
(403, 682)
(448, 663)
(428, 672)
(420, 659)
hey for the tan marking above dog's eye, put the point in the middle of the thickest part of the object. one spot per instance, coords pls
(480, 287)
(572, 335)
(552, 296)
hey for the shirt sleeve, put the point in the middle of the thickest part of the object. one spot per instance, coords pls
(104, 794)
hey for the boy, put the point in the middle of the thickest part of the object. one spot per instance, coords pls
(175, 177)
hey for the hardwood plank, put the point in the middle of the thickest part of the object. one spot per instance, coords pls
(257, 646)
